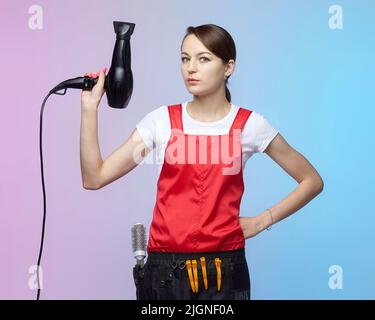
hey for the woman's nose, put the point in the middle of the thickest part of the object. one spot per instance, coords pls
(192, 66)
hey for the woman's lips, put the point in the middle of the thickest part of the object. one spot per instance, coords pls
(193, 81)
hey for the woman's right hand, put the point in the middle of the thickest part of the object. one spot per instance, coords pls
(90, 99)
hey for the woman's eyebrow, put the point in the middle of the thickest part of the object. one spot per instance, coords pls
(197, 53)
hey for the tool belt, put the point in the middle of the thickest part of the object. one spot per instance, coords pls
(193, 274)
(196, 266)
(190, 275)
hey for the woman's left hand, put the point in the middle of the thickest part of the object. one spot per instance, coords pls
(251, 226)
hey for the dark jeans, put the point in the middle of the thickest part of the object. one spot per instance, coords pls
(165, 276)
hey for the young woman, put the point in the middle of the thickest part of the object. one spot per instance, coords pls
(196, 246)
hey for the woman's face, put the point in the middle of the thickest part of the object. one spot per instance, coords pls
(199, 63)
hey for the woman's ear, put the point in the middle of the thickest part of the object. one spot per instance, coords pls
(229, 69)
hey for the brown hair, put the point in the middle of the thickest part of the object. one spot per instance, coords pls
(218, 41)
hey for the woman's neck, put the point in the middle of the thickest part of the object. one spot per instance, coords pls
(208, 109)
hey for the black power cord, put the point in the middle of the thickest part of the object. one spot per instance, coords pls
(44, 190)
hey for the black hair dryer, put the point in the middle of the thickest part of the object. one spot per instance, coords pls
(119, 79)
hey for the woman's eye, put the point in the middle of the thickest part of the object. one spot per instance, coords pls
(206, 59)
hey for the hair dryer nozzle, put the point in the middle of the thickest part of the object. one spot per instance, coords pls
(123, 30)
(119, 81)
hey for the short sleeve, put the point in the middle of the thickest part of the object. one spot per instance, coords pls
(257, 134)
(146, 129)
(152, 126)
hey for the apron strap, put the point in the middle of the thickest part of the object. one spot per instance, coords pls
(175, 116)
(240, 119)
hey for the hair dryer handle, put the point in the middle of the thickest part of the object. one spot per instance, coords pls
(84, 83)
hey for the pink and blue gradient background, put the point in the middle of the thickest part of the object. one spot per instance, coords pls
(314, 84)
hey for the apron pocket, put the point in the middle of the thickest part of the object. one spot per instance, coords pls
(240, 280)
(161, 279)
(140, 281)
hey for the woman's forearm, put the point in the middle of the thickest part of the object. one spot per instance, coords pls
(91, 159)
(299, 197)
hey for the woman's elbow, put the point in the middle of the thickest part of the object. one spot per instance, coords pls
(315, 184)
(90, 186)
(318, 184)
(322, 184)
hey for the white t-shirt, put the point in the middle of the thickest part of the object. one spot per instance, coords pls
(155, 130)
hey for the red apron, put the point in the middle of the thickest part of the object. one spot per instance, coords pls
(199, 190)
